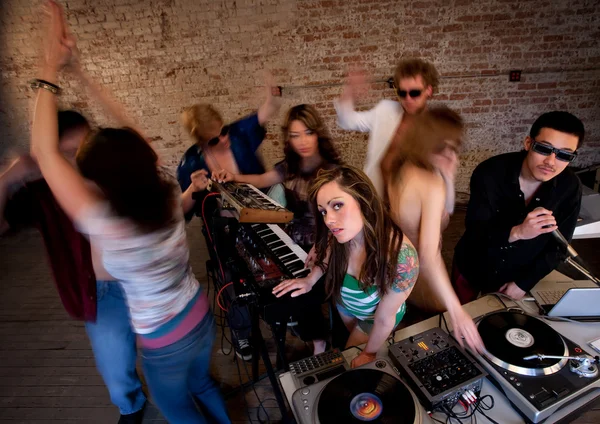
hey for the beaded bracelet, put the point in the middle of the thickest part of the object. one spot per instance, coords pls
(38, 83)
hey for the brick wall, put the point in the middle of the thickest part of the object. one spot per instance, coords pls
(159, 56)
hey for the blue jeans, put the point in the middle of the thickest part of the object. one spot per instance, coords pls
(113, 343)
(178, 376)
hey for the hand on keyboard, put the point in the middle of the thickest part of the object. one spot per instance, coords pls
(223, 176)
(297, 286)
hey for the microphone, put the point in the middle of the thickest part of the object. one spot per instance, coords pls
(573, 257)
(564, 243)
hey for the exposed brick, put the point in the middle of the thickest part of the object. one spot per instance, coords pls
(160, 56)
(527, 86)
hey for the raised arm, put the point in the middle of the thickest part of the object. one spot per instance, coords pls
(271, 105)
(108, 101)
(348, 117)
(67, 185)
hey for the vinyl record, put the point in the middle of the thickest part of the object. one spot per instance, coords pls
(366, 395)
(511, 336)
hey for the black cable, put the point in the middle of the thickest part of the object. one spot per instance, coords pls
(260, 404)
(478, 406)
(356, 347)
(435, 419)
(489, 418)
(242, 385)
(263, 408)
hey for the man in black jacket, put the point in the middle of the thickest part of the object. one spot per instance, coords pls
(517, 200)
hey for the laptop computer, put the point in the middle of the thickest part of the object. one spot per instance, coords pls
(568, 299)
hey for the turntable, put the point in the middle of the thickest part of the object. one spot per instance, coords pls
(539, 370)
(370, 393)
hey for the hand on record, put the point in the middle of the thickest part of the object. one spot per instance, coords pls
(297, 286)
(535, 224)
(223, 176)
(512, 290)
(200, 180)
(464, 327)
(363, 358)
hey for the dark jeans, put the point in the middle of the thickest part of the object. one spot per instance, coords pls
(178, 375)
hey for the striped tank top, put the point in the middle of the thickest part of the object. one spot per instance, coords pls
(363, 304)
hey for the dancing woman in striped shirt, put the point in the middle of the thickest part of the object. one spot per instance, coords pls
(371, 266)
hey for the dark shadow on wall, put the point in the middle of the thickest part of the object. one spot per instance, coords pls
(4, 106)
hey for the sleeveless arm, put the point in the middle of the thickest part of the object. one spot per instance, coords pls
(407, 271)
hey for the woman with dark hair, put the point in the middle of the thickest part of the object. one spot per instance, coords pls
(308, 149)
(131, 210)
(421, 194)
(370, 265)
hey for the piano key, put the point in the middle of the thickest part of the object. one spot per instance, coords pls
(270, 238)
(282, 251)
(276, 245)
(295, 266)
(302, 273)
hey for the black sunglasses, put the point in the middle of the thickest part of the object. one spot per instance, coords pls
(215, 140)
(411, 93)
(546, 150)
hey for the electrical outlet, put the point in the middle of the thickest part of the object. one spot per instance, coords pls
(276, 91)
(514, 76)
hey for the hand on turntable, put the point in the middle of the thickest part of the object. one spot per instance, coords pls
(297, 286)
(538, 221)
(363, 358)
(512, 290)
(464, 327)
(223, 176)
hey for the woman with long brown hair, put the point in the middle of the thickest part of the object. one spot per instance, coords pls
(131, 209)
(308, 149)
(421, 195)
(370, 265)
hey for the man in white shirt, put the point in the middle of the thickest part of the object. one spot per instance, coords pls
(415, 81)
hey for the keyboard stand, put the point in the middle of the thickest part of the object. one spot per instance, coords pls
(259, 346)
(259, 349)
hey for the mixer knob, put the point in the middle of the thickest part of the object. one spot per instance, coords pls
(264, 277)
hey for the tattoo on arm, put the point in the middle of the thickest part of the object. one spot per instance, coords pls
(407, 269)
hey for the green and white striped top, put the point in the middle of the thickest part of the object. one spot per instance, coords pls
(363, 304)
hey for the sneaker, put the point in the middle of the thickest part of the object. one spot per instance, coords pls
(135, 418)
(244, 349)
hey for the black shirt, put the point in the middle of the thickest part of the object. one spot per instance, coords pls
(483, 255)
